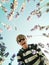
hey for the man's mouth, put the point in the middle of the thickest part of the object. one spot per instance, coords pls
(23, 43)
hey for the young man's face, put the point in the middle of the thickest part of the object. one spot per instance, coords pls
(23, 42)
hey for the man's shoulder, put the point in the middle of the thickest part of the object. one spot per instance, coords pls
(19, 52)
(33, 46)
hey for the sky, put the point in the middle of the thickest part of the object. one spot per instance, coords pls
(22, 22)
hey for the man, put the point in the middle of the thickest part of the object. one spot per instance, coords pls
(29, 54)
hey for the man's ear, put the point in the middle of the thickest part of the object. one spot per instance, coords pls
(19, 43)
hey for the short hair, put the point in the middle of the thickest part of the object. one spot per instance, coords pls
(20, 36)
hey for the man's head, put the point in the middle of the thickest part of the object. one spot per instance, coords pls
(21, 39)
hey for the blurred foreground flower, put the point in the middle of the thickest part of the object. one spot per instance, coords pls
(12, 59)
(3, 54)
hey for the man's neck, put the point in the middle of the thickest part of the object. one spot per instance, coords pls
(25, 47)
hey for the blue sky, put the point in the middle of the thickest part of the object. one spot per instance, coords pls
(23, 26)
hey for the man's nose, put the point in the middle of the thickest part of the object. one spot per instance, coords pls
(22, 40)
